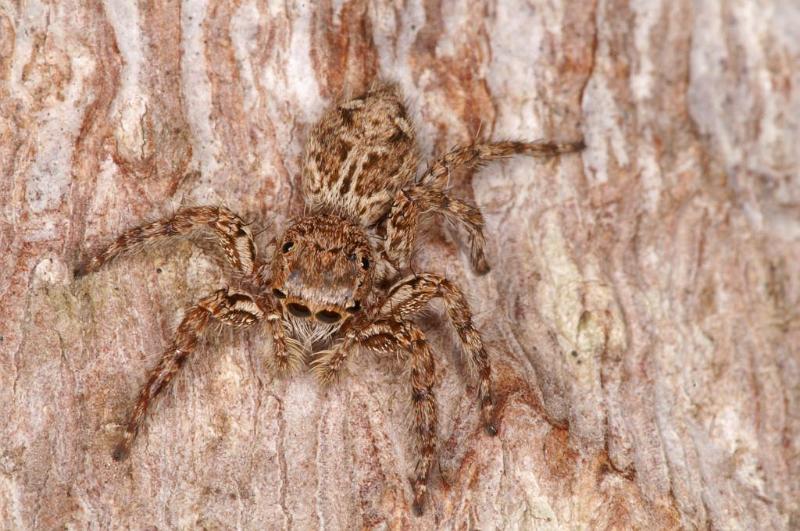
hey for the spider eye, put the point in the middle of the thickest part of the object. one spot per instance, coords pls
(365, 263)
(287, 247)
(352, 257)
(355, 308)
(278, 293)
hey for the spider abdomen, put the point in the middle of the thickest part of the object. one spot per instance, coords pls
(359, 155)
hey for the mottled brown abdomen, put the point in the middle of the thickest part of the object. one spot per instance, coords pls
(359, 155)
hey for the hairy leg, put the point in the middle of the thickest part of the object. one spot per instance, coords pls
(233, 309)
(406, 299)
(410, 295)
(401, 230)
(475, 154)
(410, 204)
(232, 234)
(428, 195)
(407, 342)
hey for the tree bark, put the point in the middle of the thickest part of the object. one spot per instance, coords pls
(641, 311)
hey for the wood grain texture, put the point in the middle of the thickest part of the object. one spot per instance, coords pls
(641, 312)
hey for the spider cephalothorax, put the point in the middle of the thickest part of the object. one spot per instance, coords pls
(321, 271)
(334, 282)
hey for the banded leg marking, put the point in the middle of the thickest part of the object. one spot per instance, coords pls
(232, 309)
(233, 236)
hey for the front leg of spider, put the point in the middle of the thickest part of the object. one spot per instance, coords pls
(229, 308)
(288, 355)
(406, 299)
(406, 343)
(229, 230)
(237, 310)
(410, 295)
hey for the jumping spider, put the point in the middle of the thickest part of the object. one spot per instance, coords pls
(333, 283)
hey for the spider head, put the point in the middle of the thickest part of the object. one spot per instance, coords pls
(322, 270)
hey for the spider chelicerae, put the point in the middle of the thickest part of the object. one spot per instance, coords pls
(339, 278)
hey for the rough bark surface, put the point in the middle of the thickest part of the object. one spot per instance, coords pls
(642, 309)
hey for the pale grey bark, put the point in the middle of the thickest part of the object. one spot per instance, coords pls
(641, 311)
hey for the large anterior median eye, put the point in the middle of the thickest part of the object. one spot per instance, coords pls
(365, 263)
(287, 247)
(278, 293)
(327, 316)
(298, 310)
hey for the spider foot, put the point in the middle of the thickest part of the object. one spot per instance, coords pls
(123, 449)
(83, 268)
(487, 414)
(568, 147)
(420, 489)
(480, 264)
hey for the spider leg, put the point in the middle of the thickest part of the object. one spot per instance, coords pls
(404, 300)
(401, 230)
(232, 309)
(405, 340)
(231, 232)
(407, 297)
(474, 154)
(410, 204)
(428, 195)
(327, 363)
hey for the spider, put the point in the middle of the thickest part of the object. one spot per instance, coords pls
(338, 279)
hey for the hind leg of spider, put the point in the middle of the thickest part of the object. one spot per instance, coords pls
(428, 195)
(407, 342)
(228, 308)
(475, 154)
(410, 295)
(230, 231)
(401, 228)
